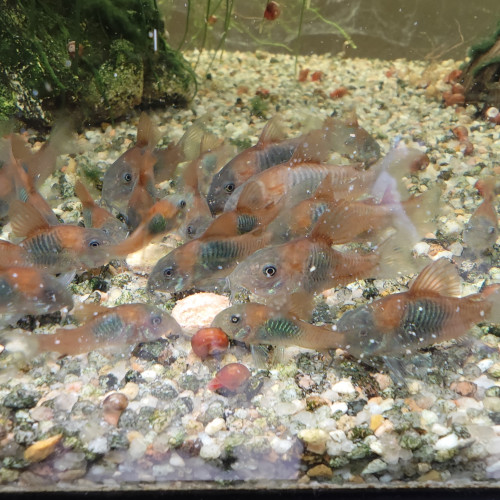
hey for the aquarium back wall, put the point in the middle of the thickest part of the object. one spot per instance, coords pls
(387, 29)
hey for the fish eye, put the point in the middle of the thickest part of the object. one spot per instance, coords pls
(93, 243)
(182, 204)
(156, 320)
(229, 187)
(127, 176)
(269, 271)
(235, 318)
(50, 295)
(189, 230)
(363, 333)
(168, 272)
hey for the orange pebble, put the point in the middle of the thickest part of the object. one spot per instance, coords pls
(452, 99)
(453, 76)
(338, 93)
(209, 342)
(232, 378)
(461, 133)
(303, 73)
(317, 76)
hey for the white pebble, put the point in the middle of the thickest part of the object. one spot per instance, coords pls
(137, 448)
(440, 430)
(344, 387)
(210, 450)
(485, 364)
(428, 418)
(422, 248)
(446, 443)
(149, 375)
(339, 406)
(216, 425)
(176, 460)
(281, 446)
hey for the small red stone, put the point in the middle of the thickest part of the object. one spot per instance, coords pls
(317, 76)
(303, 73)
(338, 93)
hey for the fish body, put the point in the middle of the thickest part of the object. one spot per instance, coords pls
(271, 149)
(118, 326)
(258, 324)
(25, 290)
(202, 261)
(58, 248)
(12, 255)
(481, 231)
(98, 217)
(163, 217)
(429, 312)
(312, 266)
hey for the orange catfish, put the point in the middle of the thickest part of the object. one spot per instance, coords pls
(57, 249)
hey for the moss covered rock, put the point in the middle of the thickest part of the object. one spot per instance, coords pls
(95, 58)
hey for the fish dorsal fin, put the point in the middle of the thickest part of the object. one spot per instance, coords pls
(251, 197)
(86, 312)
(19, 147)
(147, 134)
(486, 187)
(25, 219)
(333, 226)
(350, 119)
(190, 142)
(325, 192)
(272, 132)
(83, 194)
(190, 176)
(438, 278)
(314, 147)
(209, 142)
(223, 226)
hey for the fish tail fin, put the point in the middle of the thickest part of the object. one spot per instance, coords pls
(422, 209)
(491, 294)
(83, 194)
(395, 258)
(20, 346)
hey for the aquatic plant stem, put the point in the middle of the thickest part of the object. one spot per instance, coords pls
(299, 33)
(336, 26)
(205, 30)
(186, 29)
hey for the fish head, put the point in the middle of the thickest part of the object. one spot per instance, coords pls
(264, 273)
(233, 322)
(362, 337)
(222, 187)
(92, 247)
(157, 323)
(169, 275)
(120, 179)
(52, 295)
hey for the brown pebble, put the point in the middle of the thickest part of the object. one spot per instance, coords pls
(314, 402)
(464, 388)
(209, 342)
(321, 471)
(114, 405)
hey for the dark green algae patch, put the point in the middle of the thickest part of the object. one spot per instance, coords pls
(93, 58)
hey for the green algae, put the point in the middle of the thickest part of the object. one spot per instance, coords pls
(95, 58)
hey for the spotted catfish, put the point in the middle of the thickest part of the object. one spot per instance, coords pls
(25, 290)
(114, 327)
(57, 249)
(204, 262)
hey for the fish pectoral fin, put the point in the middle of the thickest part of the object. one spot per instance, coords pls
(25, 219)
(261, 355)
(397, 370)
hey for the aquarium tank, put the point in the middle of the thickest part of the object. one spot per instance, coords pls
(250, 247)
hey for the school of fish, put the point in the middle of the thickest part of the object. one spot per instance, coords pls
(278, 221)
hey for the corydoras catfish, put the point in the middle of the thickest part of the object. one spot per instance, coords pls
(481, 231)
(204, 261)
(114, 327)
(307, 170)
(98, 217)
(57, 249)
(429, 312)
(26, 290)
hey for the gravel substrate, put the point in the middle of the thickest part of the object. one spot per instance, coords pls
(304, 421)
